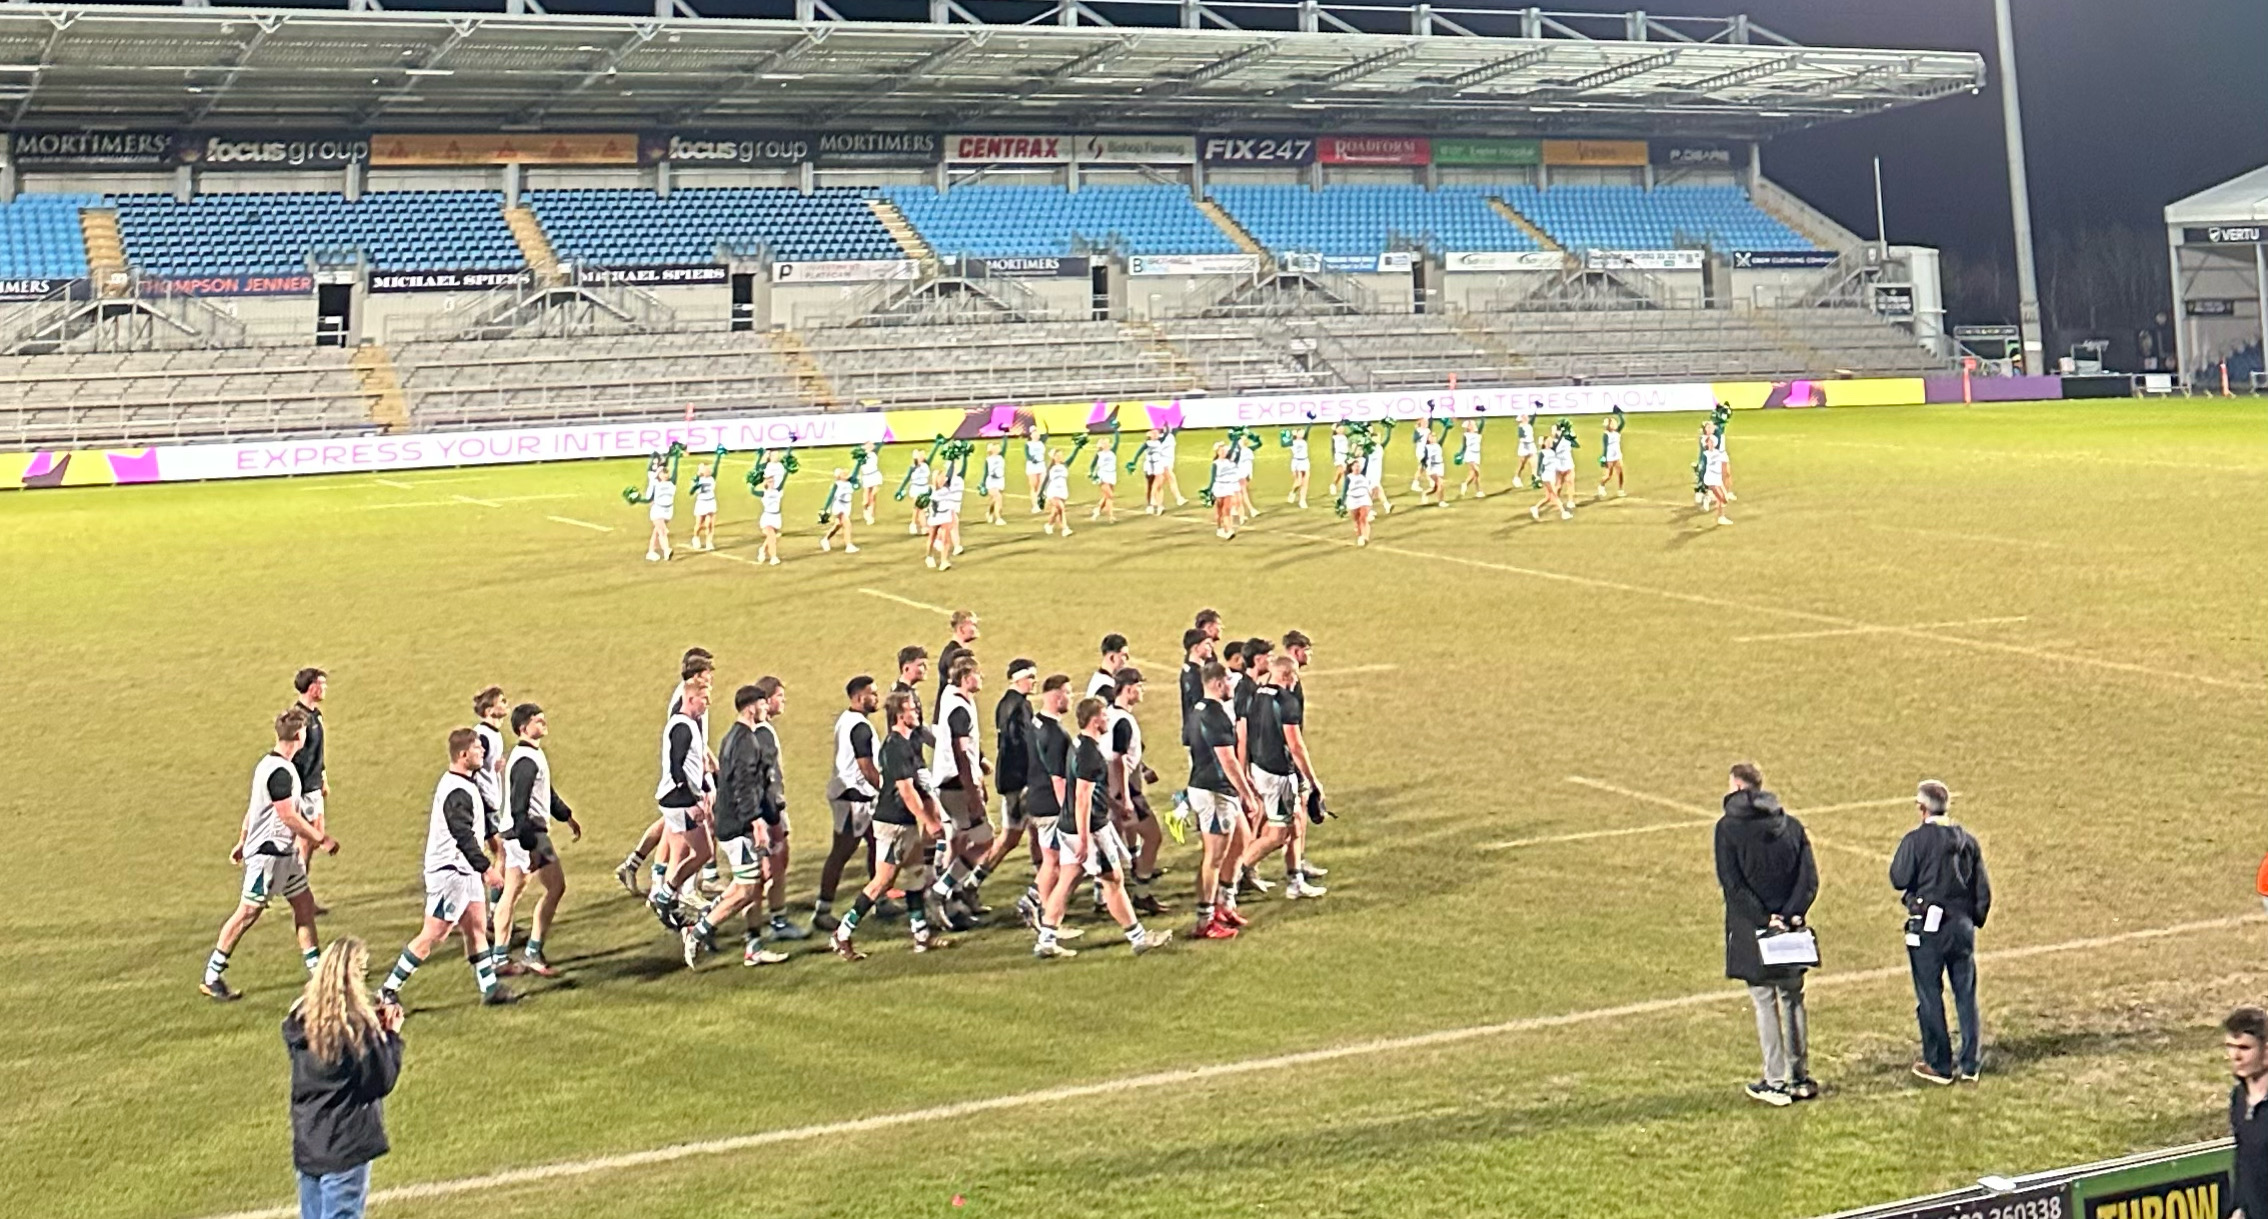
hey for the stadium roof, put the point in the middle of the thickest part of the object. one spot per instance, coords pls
(1051, 65)
(2240, 199)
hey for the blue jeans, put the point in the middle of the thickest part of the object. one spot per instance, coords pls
(334, 1195)
(1947, 954)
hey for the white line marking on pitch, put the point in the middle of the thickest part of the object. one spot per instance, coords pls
(1701, 817)
(1876, 630)
(568, 520)
(1834, 620)
(919, 605)
(594, 1165)
(392, 482)
(485, 503)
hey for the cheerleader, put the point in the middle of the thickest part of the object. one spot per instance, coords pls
(1223, 488)
(1035, 462)
(1299, 468)
(1355, 496)
(868, 467)
(1245, 507)
(918, 484)
(1155, 470)
(1610, 457)
(661, 505)
(769, 521)
(943, 518)
(1563, 463)
(1374, 476)
(1055, 492)
(1713, 474)
(1171, 450)
(1547, 469)
(1338, 456)
(838, 514)
(1528, 471)
(1469, 456)
(1433, 469)
(1104, 472)
(1418, 441)
(704, 509)
(994, 484)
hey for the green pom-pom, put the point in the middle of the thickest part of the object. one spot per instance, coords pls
(631, 495)
(790, 464)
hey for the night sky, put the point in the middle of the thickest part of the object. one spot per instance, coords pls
(2128, 106)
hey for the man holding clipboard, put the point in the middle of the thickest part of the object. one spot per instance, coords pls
(1769, 878)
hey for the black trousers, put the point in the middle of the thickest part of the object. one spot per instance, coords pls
(1948, 954)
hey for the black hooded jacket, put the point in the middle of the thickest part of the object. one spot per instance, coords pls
(338, 1115)
(1764, 866)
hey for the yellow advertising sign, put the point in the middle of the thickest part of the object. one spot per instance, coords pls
(526, 149)
(1590, 152)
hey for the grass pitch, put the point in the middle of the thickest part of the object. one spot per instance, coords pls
(2055, 608)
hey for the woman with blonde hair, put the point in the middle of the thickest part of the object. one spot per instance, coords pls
(346, 1054)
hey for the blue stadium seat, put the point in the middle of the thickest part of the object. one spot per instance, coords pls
(1665, 218)
(1360, 221)
(40, 238)
(1022, 221)
(269, 233)
(628, 228)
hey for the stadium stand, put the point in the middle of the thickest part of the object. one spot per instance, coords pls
(1362, 220)
(226, 394)
(1011, 221)
(40, 237)
(633, 228)
(594, 377)
(1665, 218)
(956, 363)
(274, 234)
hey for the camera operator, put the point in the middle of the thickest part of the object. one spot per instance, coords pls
(1769, 878)
(1940, 869)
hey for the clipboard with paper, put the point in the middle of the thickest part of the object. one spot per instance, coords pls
(1798, 948)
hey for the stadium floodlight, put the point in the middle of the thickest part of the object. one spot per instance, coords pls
(2019, 193)
(429, 71)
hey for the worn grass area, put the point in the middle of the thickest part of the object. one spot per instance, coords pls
(2055, 608)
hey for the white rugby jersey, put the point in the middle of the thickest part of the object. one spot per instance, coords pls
(691, 774)
(947, 767)
(1112, 718)
(488, 777)
(539, 788)
(442, 854)
(677, 706)
(847, 774)
(264, 832)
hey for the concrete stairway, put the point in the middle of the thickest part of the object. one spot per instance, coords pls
(535, 246)
(106, 250)
(374, 374)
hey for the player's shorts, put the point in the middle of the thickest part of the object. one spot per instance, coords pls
(959, 813)
(449, 894)
(270, 876)
(744, 859)
(902, 845)
(1107, 854)
(311, 807)
(1216, 812)
(769, 520)
(1045, 833)
(1012, 808)
(1279, 795)
(540, 854)
(853, 818)
(679, 820)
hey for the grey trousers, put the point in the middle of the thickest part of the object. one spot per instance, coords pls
(1782, 1031)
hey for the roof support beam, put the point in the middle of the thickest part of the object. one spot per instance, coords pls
(268, 23)
(1470, 77)
(1231, 62)
(460, 29)
(1738, 76)
(641, 33)
(1607, 76)
(814, 36)
(1077, 66)
(59, 21)
(914, 73)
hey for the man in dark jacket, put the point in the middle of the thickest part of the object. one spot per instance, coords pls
(751, 827)
(1939, 869)
(1765, 868)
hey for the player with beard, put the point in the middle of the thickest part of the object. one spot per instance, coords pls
(961, 792)
(1047, 786)
(1129, 780)
(531, 807)
(1012, 727)
(697, 666)
(751, 825)
(1276, 774)
(851, 792)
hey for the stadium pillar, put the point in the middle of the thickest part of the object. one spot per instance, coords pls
(2260, 291)
(2180, 313)
(2019, 194)
(7, 182)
